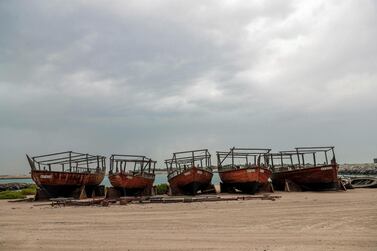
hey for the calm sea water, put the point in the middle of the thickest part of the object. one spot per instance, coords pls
(160, 179)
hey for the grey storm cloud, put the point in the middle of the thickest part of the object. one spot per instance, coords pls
(152, 77)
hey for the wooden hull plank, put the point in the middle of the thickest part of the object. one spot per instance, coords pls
(247, 180)
(308, 179)
(190, 181)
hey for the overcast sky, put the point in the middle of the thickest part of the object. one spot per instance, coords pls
(154, 77)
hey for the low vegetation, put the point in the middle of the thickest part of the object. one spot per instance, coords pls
(162, 189)
(18, 194)
(8, 195)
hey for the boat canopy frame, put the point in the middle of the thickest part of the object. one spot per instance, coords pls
(296, 158)
(68, 161)
(234, 153)
(181, 161)
(140, 164)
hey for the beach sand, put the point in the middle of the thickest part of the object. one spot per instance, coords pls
(297, 221)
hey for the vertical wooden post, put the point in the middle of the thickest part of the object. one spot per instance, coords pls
(232, 157)
(111, 163)
(208, 158)
(87, 162)
(333, 154)
(218, 160)
(272, 162)
(193, 159)
(298, 157)
(70, 161)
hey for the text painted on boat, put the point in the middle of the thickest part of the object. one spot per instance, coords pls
(326, 168)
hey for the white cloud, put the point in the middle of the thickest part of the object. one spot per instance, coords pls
(276, 73)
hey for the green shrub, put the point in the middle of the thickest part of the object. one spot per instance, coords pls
(162, 188)
(8, 195)
(29, 191)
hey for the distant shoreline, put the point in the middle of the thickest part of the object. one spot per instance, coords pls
(3, 177)
(344, 168)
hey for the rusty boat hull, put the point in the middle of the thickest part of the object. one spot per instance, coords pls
(132, 184)
(190, 181)
(308, 179)
(247, 180)
(63, 184)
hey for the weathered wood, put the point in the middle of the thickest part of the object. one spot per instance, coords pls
(112, 193)
(290, 186)
(190, 181)
(191, 199)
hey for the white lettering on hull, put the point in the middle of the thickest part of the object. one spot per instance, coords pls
(326, 168)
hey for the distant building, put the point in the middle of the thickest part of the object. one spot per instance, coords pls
(375, 160)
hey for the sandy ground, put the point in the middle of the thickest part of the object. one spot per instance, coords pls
(297, 221)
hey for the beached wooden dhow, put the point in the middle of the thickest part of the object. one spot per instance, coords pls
(189, 172)
(67, 174)
(244, 169)
(132, 174)
(305, 168)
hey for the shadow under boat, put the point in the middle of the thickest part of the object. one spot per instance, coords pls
(190, 172)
